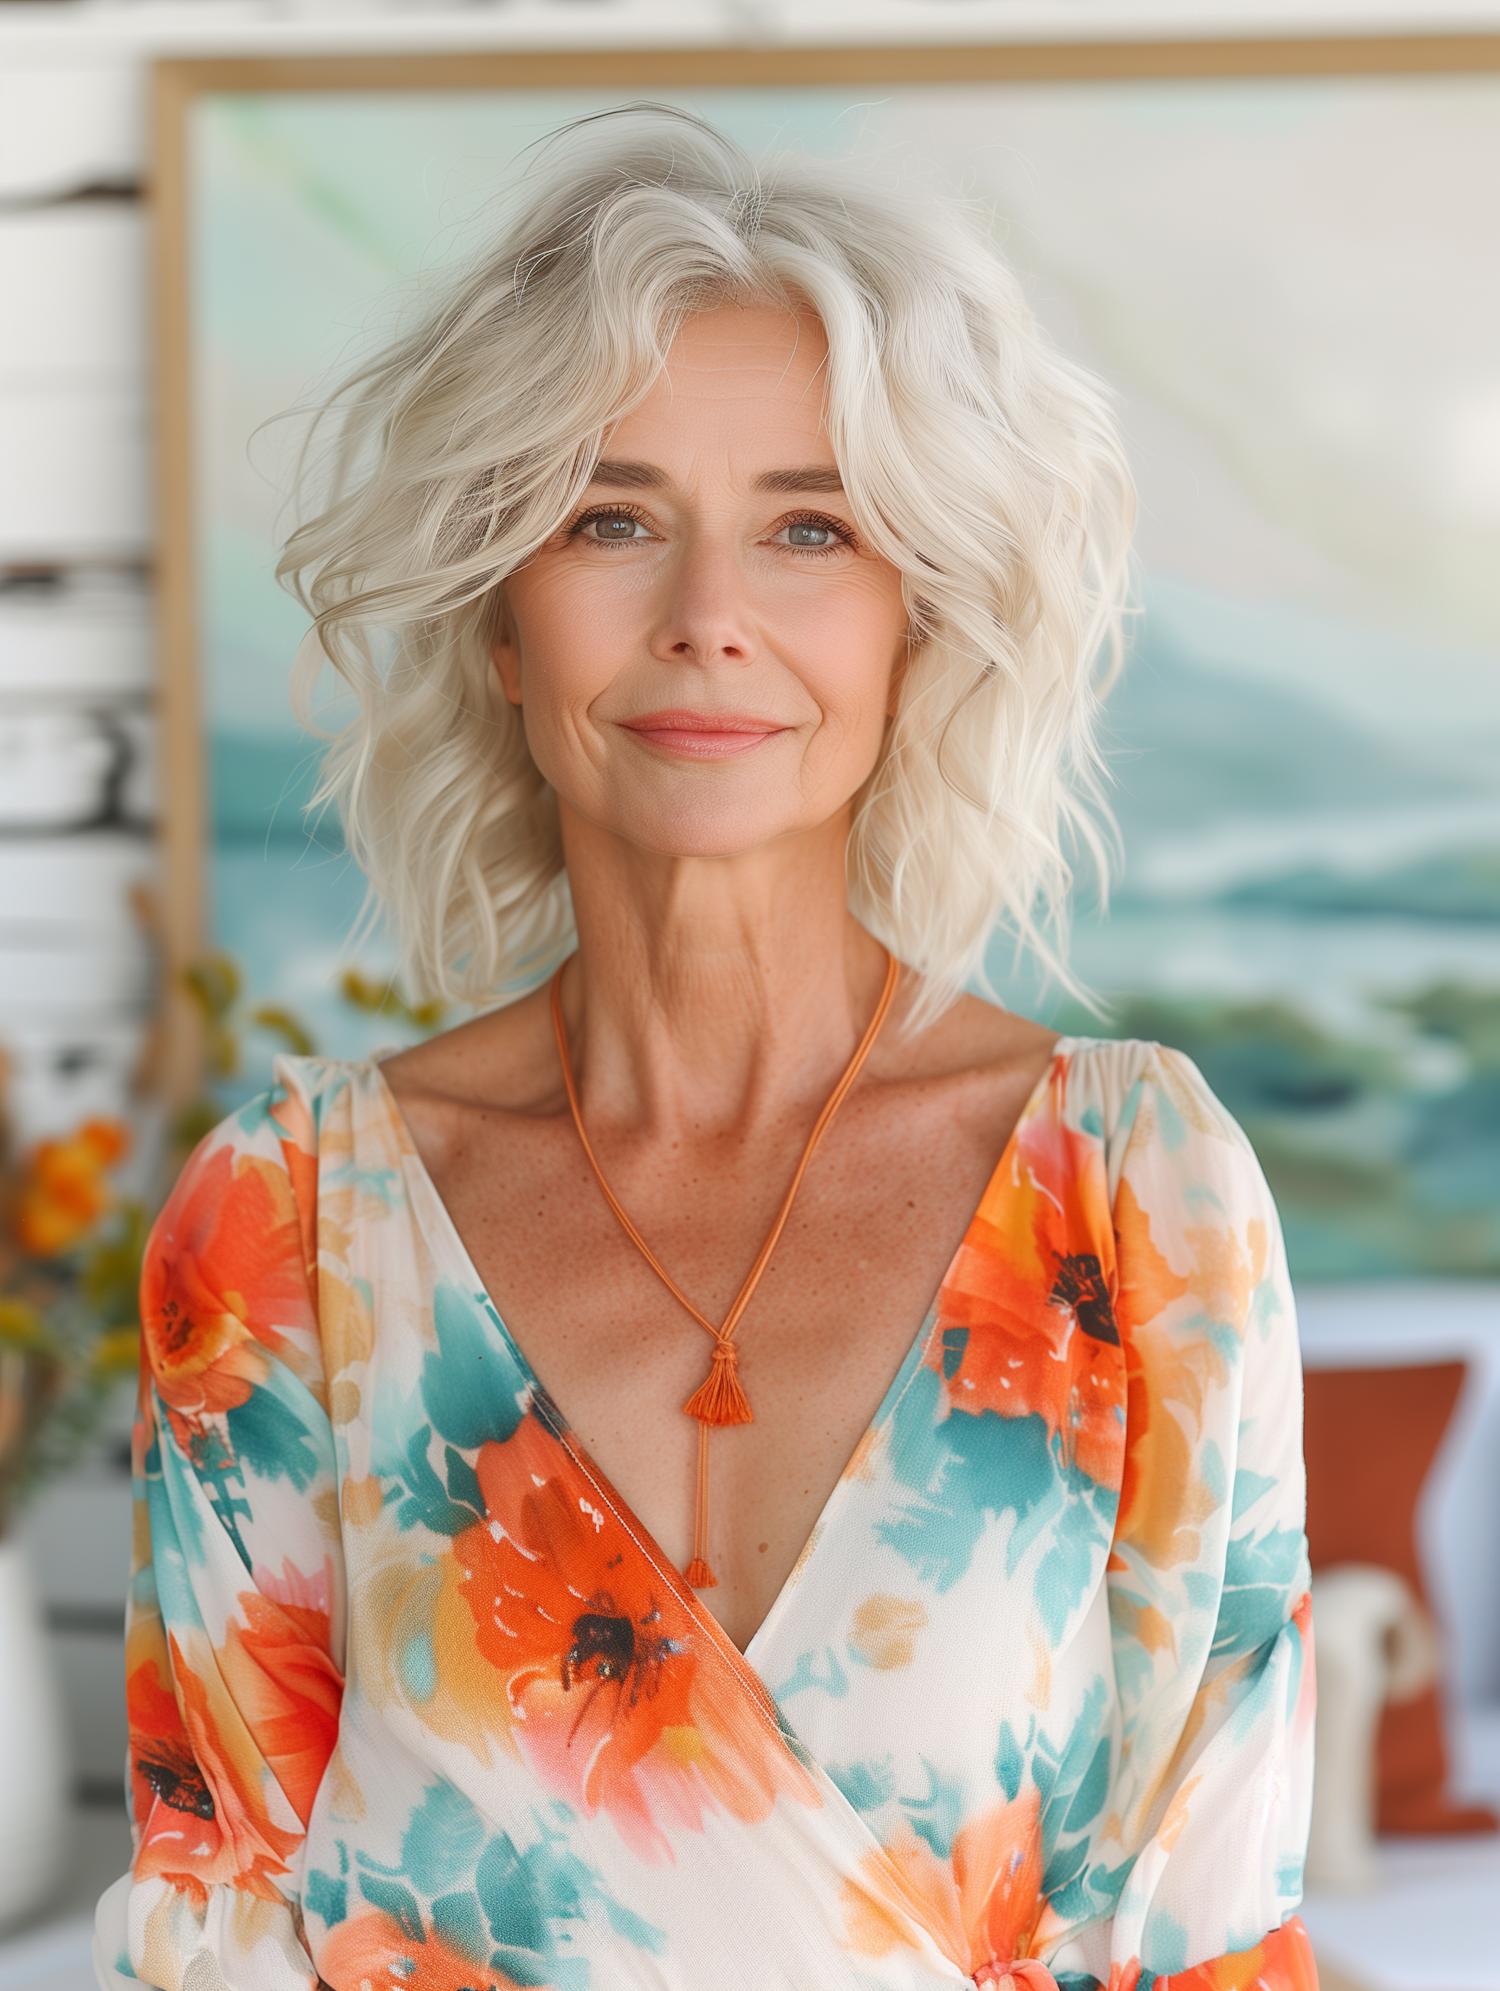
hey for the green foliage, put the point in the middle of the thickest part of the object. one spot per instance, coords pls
(69, 1335)
(199, 1117)
(217, 987)
(214, 985)
(385, 999)
(281, 1023)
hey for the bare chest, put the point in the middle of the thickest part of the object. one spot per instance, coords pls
(842, 1302)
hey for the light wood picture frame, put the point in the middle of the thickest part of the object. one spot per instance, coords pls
(1278, 476)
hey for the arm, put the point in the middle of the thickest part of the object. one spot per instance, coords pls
(1208, 1575)
(234, 1644)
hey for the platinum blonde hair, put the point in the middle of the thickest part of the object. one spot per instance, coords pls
(984, 465)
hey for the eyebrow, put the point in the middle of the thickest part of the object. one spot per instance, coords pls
(627, 476)
(812, 477)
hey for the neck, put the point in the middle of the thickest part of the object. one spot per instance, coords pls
(713, 995)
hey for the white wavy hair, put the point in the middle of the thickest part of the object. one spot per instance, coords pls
(984, 465)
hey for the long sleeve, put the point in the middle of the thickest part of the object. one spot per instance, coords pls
(1208, 1573)
(236, 1625)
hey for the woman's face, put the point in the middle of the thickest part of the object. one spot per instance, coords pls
(706, 653)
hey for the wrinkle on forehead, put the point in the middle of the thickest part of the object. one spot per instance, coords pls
(724, 361)
(713, 333)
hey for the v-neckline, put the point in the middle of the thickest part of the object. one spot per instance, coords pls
(557, 1422)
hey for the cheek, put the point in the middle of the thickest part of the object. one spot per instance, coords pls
(552, 706)
(568, 642)
(855, 648)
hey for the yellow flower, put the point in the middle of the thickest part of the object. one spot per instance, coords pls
(117, 1353)
(21, 1324)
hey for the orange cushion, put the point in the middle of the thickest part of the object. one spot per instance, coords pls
(1371, 1436)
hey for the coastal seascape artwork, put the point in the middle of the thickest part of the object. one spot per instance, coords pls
(1276, 278)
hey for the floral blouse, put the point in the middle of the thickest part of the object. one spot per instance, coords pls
(418, 1705)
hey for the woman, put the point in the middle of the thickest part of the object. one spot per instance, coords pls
(748, 555)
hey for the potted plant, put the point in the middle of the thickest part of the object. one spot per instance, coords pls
(70, 1252)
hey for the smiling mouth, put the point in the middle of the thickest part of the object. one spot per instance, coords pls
(703, 735)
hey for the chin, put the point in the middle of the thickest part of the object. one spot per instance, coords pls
(707, 827)
(691, 837)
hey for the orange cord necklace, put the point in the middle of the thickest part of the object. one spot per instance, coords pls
(720, 1398)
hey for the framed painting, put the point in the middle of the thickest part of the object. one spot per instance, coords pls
(1268, 249)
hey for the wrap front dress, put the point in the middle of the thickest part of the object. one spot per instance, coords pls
(418, 1705)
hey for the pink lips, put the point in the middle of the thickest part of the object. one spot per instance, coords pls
(702, 735)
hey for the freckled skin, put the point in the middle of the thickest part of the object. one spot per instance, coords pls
(720, 984)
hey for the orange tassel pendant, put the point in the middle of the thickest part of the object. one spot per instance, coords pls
(721, 1399)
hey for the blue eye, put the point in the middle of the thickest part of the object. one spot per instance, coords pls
(809, 535)
(612, 526)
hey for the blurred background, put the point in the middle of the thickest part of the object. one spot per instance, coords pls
(1286, 271)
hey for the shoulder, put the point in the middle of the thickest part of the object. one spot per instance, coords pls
(1116, 1089)
(1174, 1156)
(499, 1065)
(276, 1126)
(250, 1189)
(1195, 1224)
(503, 1060)
(972, 1043)
(1134, 1090)
(229, 1281)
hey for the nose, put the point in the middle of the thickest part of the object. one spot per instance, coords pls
(705, 615)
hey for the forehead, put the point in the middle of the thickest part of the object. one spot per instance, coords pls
(747, 377)
(749, 337)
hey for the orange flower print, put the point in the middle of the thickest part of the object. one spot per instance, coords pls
(375, 1953)
(997, 1869)
(1027, 1308)
(1282, 1961)
(163, 1774)
(981, 1906)
(284, 1683)
(196, 1792)
(604, 1656)
(64, 1193)
(1163, 1497)
(224, 1270)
